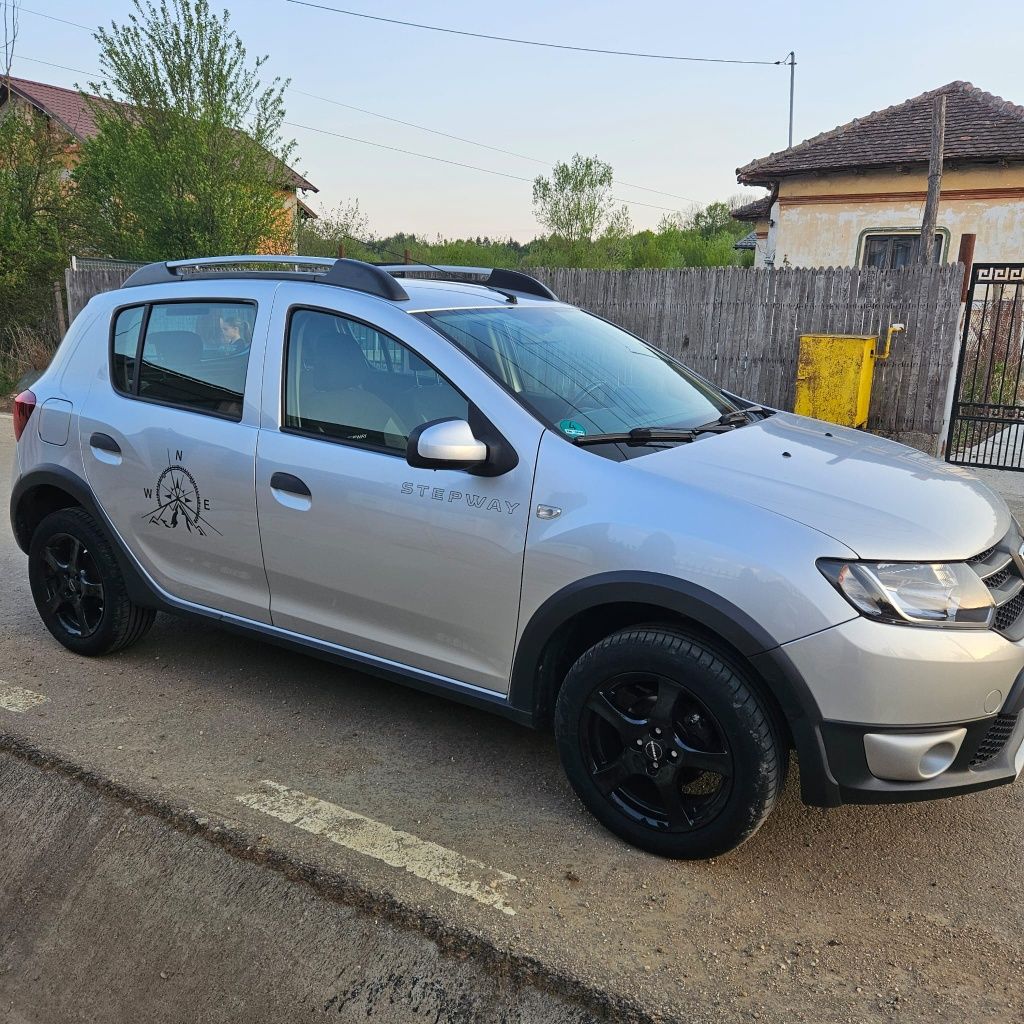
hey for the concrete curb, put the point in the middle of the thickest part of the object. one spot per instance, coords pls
(525, 986)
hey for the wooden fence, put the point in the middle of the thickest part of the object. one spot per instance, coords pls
(86, 278)
(740, 327)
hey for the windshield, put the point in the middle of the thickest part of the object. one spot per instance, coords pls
(577, 373)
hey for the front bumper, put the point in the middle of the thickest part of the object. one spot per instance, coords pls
(863, 677)
(992, 754)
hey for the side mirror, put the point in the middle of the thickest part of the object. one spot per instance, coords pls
(445, 444)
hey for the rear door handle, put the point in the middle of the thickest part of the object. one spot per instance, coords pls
(105, 443)
(290, 484)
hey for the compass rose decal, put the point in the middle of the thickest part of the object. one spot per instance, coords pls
(179, 502)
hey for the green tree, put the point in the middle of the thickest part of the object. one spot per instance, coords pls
(35, 217)
(188, 159)
(575, 204)
(346, 225)
(713, 219)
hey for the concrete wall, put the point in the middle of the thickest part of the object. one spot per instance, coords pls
(822, 219)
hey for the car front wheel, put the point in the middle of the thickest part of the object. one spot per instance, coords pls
(667, 744)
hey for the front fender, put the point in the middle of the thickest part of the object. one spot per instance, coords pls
(758, 651)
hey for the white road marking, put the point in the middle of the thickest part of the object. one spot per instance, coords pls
(17, 698)
(419, 857)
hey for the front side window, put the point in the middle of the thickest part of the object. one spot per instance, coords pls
(347, 381)
(893, 251)
(577, 373)
(194, 355)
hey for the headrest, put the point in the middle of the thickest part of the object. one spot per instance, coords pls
(330, 352)
(174, 350)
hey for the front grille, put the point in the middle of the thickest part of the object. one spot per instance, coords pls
(1007, 614)
(998, 579)
(1000, 570)
(995, 739)
(987, 553)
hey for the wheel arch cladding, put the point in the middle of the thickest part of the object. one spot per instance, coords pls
(586, 611)
(49, 488)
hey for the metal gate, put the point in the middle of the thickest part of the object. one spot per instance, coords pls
(986, 428)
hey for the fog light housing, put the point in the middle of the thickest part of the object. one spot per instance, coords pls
(912, 757)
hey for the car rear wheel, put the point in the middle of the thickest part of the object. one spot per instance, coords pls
(667, 744)
(78, 587)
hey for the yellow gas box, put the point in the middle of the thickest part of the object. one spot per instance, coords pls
(834, 375)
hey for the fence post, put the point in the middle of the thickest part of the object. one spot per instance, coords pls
(58, 303)
(966, 257)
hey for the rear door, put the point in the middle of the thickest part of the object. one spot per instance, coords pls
(415, 566)
(168, 437)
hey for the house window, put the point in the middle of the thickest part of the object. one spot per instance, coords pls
(892, 251)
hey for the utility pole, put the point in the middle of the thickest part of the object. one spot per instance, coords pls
(926, 243)
(792, 86)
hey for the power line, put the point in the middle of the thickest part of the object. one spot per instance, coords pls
(385, 117)
(381, 145)
(50, 17)
(50, 64)
(789, 60)
(528, 42)
(471, 142)
(454, 163)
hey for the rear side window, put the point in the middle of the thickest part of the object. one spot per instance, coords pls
(193, 355)
(127, 329)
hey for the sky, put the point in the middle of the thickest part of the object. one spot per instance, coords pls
(678, 127)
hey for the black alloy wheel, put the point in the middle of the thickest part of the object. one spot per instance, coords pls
(78, 586)
(669, 743)
(656, 751)
(74, 588)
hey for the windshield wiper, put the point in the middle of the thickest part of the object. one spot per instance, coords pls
(645, 435)
(744, 415)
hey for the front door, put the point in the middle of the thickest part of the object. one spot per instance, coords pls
(414, 566)
(169, 446)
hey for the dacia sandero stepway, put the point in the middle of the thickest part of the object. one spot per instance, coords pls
(449, 478)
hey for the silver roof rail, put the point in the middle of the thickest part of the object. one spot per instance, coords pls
(495, 277)
(355, 274)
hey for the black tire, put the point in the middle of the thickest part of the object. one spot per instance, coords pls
(667, 744)
(78, 588)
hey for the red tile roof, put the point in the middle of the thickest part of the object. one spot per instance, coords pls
(66, 106)
(69, 108)
(979, 126)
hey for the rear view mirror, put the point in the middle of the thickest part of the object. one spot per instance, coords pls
(445, 444)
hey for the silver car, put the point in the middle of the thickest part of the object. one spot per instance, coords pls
(447, 477)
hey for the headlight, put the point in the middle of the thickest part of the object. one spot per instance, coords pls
(928, 594)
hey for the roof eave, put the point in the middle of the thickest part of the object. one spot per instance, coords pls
(44, 109)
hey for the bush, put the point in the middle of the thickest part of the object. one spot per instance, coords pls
(24, 350)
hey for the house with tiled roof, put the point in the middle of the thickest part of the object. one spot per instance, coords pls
(854, 196)
(68, 111)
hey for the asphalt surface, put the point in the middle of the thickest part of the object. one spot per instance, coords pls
(912, 912)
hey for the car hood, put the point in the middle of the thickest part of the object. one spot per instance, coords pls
(880, 498)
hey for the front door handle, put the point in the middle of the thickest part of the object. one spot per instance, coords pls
(290, 484)
(105, 443)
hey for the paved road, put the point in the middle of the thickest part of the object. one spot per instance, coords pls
(914, 912)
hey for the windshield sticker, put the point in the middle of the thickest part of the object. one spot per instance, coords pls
(572, 429)
(179, 502)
